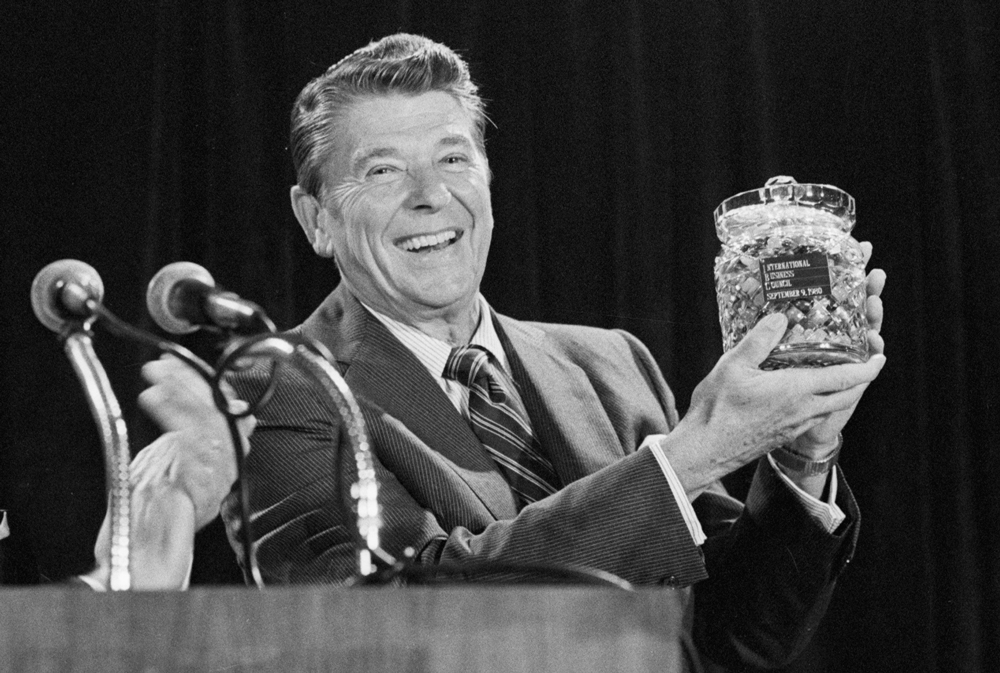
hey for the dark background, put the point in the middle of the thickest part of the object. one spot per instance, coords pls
(136, 137)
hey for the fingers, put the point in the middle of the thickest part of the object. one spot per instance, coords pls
(875, 282)
(172, 381)
(873, 312)
(760, 341)
(247, 425)
(151, 402)
(177, 377)
(227, 389)
(164, 368)
(140, 464)
(866, 250)
(876, 344)
(179, 398)
(845, 400)
(156, 462)
(873, 305)
(201, 467)
(843, 377)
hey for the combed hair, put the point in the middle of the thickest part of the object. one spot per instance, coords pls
(401, 63)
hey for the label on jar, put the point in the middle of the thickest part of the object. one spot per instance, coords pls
(793, 277)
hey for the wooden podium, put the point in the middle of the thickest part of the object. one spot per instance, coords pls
(416, 629)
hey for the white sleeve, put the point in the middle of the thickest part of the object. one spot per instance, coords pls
(680, 495)
(827, 513)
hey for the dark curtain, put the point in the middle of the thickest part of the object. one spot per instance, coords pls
(133, 137)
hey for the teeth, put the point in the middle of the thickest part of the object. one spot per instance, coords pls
(419, 242)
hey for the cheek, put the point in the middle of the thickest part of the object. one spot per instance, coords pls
(473, 192)
(363, 214)
(347, 198)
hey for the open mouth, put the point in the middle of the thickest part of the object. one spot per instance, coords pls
(429, 242)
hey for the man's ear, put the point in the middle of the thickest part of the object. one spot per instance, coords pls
(313, 219)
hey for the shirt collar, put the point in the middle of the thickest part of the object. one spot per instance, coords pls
(433, 353)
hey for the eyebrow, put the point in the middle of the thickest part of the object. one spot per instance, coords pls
(455, 141)
(383, 152)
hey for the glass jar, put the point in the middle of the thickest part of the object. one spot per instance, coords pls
(787, 248)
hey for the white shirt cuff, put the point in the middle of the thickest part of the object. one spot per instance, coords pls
(680, 495)
(826, 513)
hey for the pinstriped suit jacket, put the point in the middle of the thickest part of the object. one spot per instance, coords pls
(592, 396)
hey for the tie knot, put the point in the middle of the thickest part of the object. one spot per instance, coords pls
(470, 366)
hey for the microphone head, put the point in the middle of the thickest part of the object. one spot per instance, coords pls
(60, 291)
(169, 300)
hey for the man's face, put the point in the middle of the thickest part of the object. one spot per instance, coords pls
(407, 205)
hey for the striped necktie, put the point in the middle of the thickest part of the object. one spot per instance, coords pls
(501, 424)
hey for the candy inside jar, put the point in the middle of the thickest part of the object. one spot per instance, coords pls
(787, 249)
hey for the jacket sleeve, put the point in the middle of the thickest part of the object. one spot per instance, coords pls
(621, 519)
(771, 575)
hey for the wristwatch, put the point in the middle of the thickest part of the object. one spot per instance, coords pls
(801, 466)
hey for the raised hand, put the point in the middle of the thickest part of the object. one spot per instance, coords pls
(199, 460)
(739, 412)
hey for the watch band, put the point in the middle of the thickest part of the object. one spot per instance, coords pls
(802, 466)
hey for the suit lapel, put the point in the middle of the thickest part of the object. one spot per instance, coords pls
(384, 375)
(566, 414)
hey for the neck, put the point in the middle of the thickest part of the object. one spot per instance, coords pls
(454, 325)
(454, 332)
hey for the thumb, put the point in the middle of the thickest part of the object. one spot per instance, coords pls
(760, 340)
(247, 425)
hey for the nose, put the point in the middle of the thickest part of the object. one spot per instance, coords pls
(427, 191)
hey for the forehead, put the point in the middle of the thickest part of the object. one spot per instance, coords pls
(400, 122)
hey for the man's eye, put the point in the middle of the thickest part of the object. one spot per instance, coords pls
(381, 170)
(455, 160)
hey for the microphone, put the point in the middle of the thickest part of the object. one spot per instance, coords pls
(61, 291)
(182, 297)
(66, 297)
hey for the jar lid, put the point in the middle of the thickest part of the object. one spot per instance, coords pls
(783, 191)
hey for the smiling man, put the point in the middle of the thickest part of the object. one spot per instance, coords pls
(404, 208)
(511, 443)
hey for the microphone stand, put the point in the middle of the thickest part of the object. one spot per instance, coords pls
(78, 345)
(363, 496)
